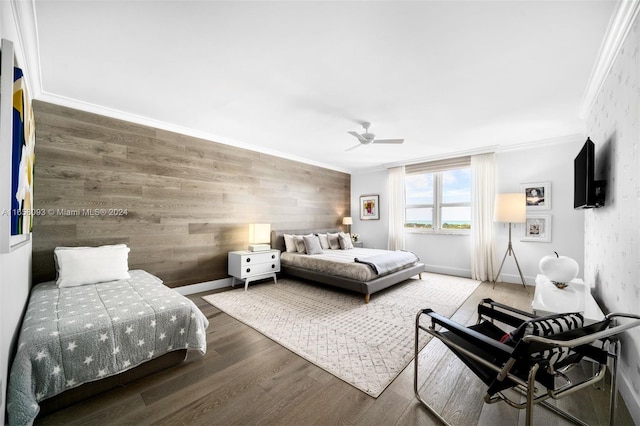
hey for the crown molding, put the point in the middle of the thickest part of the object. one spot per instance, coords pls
(619, 27)
(145, 121)
(24, 15)
(540, 143)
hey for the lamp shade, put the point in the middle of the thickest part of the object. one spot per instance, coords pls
(511, 208)
(259, 233)
(347, 220)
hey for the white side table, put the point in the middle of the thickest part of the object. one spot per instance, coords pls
(576, 297)
(253, 265)
(359, 244)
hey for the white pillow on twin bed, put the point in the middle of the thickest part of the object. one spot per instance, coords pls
(90, 265)
(289, 243)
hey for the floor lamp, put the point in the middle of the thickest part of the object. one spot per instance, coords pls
(510, 208)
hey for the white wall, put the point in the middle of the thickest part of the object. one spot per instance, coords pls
(15, 267)
(373, 233)
(544, 163)
(612, 233)
(451, 254)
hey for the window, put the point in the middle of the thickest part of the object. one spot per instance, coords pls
(438, 196)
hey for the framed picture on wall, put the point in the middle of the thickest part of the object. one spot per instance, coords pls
(369, 207)
(17, 154)
(537, 228)
(538, 195)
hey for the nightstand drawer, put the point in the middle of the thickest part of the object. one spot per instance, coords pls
(257, 257)
(247, 270)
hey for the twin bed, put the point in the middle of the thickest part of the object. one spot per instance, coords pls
(100, 324)
(80, 340)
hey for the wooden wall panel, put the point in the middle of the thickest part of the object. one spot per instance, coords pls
(189, 201)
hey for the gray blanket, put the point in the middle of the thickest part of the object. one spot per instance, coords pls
(390, 261)
(80, 334)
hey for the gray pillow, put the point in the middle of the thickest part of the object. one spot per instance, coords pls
(312, 244)
(345, 241)
(299, 240)
(324, 241)
(334, 241)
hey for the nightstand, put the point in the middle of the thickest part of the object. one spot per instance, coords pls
(253, 265)
(359, 244)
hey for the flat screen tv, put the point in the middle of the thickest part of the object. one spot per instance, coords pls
(587, 192)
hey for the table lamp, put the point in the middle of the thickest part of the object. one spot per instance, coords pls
(259, 237)
(347, 220)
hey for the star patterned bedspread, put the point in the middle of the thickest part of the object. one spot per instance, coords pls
(80, 334)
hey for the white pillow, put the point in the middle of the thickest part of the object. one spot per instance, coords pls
(345, 241)
(90, 265)
(312, 244)
(324, 241)
(289, 244)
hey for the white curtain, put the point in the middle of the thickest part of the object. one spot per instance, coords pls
(483, 191)
(396, 208)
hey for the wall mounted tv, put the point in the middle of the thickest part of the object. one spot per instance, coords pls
(588, 193)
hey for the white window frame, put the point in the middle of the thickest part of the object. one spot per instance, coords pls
(436, 170)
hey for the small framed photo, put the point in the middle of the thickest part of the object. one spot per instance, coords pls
(369, 207)
(538, 195)
(537, 228)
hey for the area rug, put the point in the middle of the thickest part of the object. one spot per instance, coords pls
(365, 345)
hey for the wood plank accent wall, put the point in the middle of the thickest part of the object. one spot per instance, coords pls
(189, 201)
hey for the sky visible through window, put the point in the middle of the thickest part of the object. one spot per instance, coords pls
(456, 188)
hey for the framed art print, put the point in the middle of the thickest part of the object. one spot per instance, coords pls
(538, 195)
(369, 207)
(537, 228)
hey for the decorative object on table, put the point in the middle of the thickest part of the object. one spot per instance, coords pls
(369, 207)
(510, 208)
(537, 228)
(355, 237)
(538, 195)
(348, 221)
(559, 269)
(259, 237)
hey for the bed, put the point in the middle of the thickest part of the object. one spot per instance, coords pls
(81, 335)
(338, 268)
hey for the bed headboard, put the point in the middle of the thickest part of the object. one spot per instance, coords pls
(277, 237)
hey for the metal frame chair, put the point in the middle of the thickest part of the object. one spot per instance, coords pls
(536, 364)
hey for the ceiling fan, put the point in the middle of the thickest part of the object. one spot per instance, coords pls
(368, 138)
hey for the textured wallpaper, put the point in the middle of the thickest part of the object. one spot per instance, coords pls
(612, 233)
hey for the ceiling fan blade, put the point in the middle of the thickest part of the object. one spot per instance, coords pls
(353, 147)
(358, 135)
(388, 141)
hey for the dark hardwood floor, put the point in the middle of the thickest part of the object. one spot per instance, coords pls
(246, 379)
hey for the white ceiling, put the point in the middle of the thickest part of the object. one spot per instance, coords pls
(293, 77)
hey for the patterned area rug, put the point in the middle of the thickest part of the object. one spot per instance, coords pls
(366, 345)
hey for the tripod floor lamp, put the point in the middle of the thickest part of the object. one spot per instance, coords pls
(510, 208)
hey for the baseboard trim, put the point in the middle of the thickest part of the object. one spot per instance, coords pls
(186, 290)
(446, 270)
